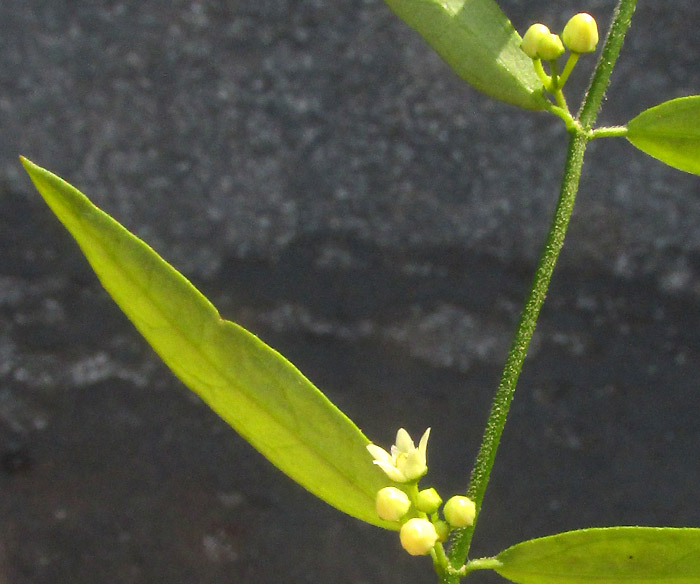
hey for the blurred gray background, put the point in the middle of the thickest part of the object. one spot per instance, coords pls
(331, 185)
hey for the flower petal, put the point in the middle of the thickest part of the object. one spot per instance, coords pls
(391, 471)
(413, 465)
(379, 454)
(423, 445)
(403, 441)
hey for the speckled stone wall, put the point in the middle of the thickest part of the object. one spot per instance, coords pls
(330, 184)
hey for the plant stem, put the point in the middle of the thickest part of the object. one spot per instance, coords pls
(579, 135)
(610, 132)
(608, 57)
(523, 335)
(482, 564)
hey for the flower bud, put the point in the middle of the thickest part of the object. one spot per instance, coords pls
(550, 47)
(443, 530)
(418, 536)
(460, 511)
(428, 501)
(392, 503)
(531, 39)
(581, 33)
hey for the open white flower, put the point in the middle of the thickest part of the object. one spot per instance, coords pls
(406, 463)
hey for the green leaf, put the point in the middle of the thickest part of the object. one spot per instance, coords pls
(478, 41)
(651, 555)
(251, 386)
(670, 132)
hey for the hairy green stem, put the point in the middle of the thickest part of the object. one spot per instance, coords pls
(526, 328)
(579, 135)
(590, 106)
(610, 132)
(482, 564)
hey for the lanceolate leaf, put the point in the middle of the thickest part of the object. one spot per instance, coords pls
(478, 41)
(251, 386)
(612, 555)
(670, 132)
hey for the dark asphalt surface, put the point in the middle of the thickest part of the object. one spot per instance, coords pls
(332, 186)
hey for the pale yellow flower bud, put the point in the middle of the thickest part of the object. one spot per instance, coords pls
(443, 530)
(418, 536)
(531, 40)
(428, 501)
(580, 34)
(392, 503)
(460, 511)
(550, 47)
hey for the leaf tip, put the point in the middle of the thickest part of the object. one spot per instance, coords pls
(29, 166)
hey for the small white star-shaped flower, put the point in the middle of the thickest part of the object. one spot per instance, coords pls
(406, 463)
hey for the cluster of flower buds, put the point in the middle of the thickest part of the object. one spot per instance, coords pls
(416, 510)
(540, 43)
(580, 35)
